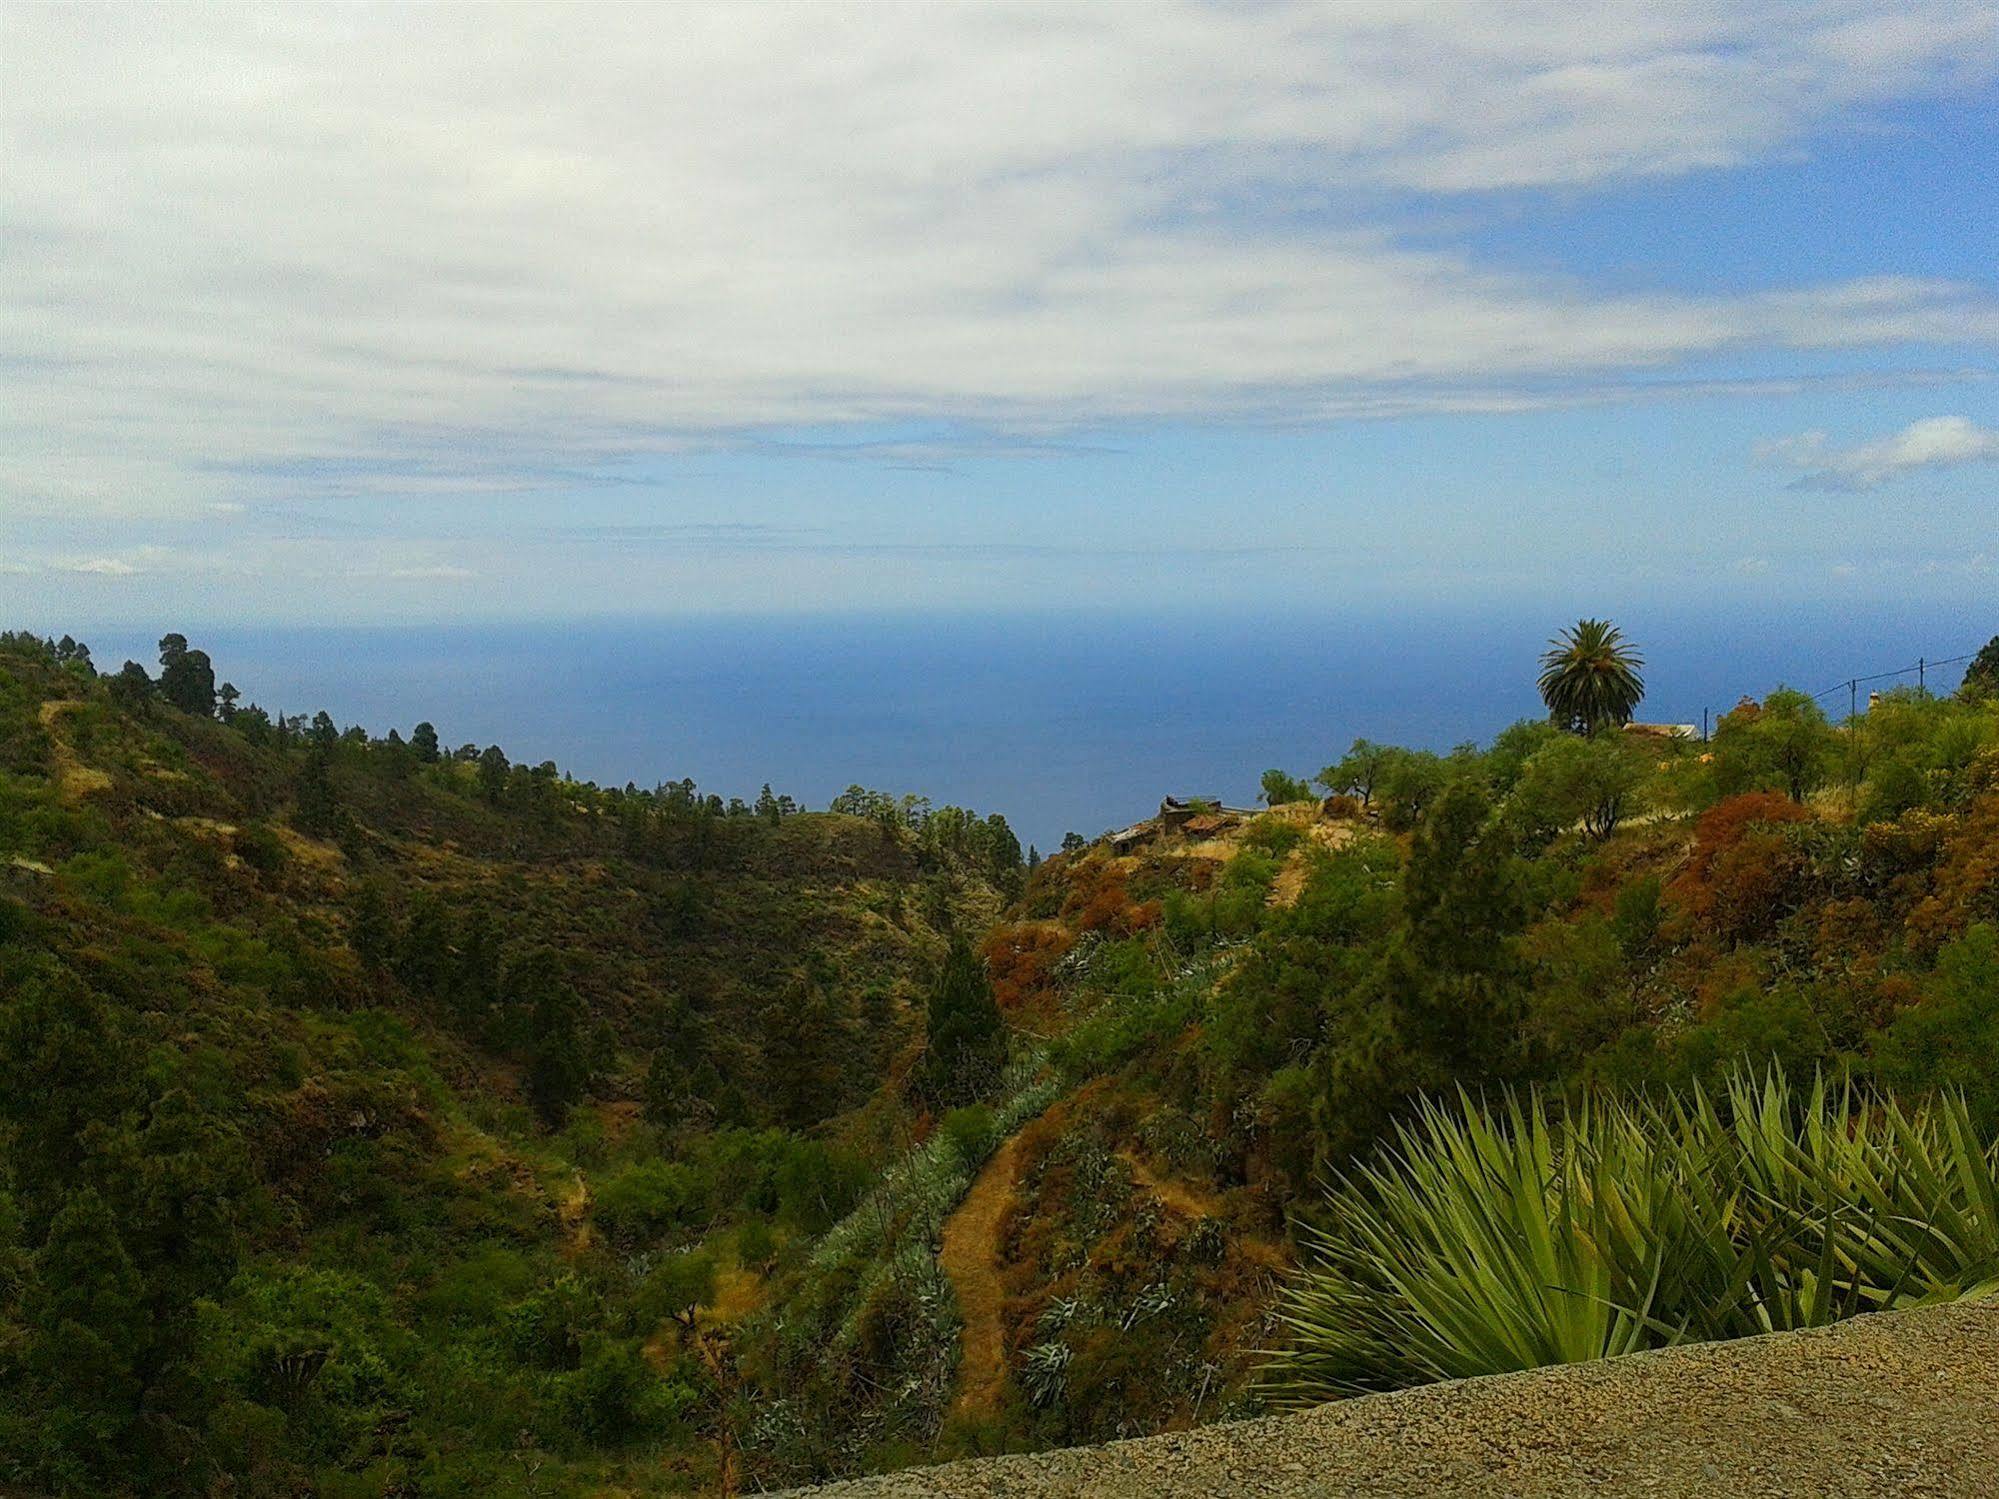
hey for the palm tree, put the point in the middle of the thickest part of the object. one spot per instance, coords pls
(1589, 677)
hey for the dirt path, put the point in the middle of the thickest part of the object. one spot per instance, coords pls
(970, 1256)
(1899, 1403)
(74, 780)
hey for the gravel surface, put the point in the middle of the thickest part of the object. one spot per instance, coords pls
(1901, 1403)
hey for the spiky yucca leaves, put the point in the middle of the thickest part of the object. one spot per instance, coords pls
(1486, 1239)
(1589, 677)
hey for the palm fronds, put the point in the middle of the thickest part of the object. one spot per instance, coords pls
(1589, 677)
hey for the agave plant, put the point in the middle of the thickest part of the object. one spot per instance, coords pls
(1486, 1239)
(1589, 677)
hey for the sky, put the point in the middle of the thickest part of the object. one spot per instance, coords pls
(525, 313)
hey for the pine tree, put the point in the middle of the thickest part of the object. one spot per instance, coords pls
(965, 1037)
(187, 678)
(318, 808)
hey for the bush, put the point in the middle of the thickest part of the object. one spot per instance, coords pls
(1280, 788)
(648, 1200)
(970, 1133)
(615, 1397)
(1488, 1239)
(817, 1184)
(1952, 1037)
(756, 1245)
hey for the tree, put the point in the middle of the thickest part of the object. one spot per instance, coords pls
(75, 653)
(1359, 772)
(226, 698)
(1074, 843)
(1981, 678)
(965, 1037)
(1279, 787)
(318, 807)
(1461, 890)
(187, 678)
(423, 740)
(1589, 678)
(1785, 743)
(558, 1058)
(86, 1310)
(1591, 781)
(1408, 781)
(492, 773)
(1002, 852)
(131, 688)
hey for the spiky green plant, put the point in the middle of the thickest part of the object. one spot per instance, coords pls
(1484, 1239)
(1589, 677)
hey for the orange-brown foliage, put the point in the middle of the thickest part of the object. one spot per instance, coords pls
(1020, 955)
(1099, 902)
(1966, 885)
(1721, 828)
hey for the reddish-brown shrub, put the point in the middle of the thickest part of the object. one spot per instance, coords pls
(1020, 955)
(1965, 887)
(1742, 874)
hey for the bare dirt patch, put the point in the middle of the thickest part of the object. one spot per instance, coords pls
(74, 780)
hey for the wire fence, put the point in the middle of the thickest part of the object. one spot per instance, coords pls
(1851, 685)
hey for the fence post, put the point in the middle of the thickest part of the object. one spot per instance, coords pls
(1853, 743)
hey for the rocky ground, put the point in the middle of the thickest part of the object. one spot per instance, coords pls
(1903, 1403)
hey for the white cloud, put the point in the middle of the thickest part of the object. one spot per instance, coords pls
(100, 567)
(1935, 442)
(397, 235)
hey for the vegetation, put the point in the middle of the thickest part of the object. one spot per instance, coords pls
(388, 1117)
(1489, 1239)
(1589, 678)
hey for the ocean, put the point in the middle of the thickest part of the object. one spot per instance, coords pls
(1070, 721)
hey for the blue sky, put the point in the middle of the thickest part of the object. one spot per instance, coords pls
(538, 312)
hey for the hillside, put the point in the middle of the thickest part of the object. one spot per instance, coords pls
(404, 1099)
(1238, 1004)
(388, 1118)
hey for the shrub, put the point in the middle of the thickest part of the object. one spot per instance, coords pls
(645, 1201)
(615, 1397)
(756, 1245)
(970, 1133)
(1488, 1239)
(1020, 956)
(817, 1184)
(1721, 828)
(1952, 1036)
(1280, 788)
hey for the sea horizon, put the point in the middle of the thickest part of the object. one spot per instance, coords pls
(1061, 720)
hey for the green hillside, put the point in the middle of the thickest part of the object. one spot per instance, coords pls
(382, 1118)
(373, 1109)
